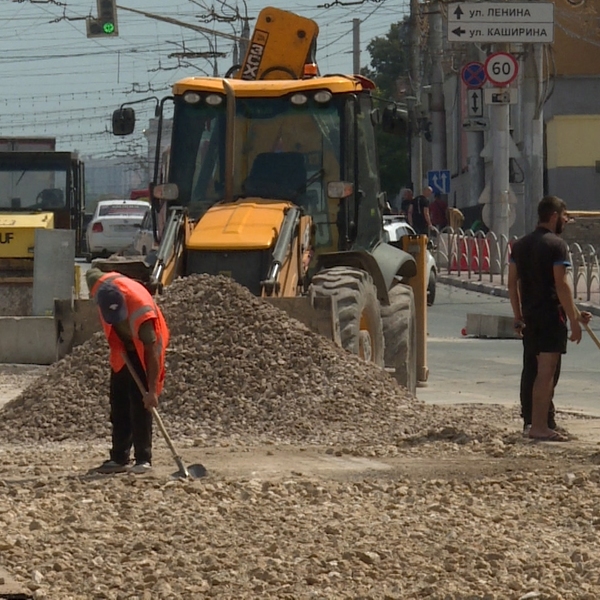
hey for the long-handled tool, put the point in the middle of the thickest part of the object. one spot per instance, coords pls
(592, 334)
(194, 471)
(589, 330)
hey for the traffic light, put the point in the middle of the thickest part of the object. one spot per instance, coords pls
(106, 23)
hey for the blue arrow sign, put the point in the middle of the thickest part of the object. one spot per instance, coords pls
(439, 181)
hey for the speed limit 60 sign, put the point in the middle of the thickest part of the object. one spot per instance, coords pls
(501, 68)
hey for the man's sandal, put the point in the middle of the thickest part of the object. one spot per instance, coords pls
(552, 437)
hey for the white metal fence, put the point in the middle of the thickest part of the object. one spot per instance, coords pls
(484, 257)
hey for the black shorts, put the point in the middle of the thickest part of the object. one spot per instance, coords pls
(546, 335)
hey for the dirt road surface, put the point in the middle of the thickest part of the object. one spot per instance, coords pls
(432, 518)
(463, 512)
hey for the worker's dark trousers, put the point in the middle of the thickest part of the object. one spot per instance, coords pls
(528, 375)
(131, 422)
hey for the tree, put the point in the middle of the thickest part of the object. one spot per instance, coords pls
(389, 58)
(389, 65)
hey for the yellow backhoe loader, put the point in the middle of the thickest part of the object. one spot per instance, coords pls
(273, 181)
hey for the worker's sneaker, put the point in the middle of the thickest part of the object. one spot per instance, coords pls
(111, 466)
(526, 429)
(140, 468)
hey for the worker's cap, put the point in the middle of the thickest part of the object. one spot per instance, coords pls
(112, 303)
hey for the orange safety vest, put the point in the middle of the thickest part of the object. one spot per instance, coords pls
(140, 308)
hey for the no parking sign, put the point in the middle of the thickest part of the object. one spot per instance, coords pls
(473, 75)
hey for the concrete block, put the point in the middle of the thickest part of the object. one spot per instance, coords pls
(28, 340)
(490, 326)
(76, 322)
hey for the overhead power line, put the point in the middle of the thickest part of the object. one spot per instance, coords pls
(199, 28)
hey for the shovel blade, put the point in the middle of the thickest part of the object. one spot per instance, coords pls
(192, 472)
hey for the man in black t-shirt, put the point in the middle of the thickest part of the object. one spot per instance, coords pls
(542, 301)
(418, 212)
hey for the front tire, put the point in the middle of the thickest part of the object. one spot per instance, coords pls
(400, 330)
(359, 311)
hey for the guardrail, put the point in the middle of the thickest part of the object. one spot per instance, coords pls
(485, 257)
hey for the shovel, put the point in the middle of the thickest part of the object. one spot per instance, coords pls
(592, 334)
(587, 327)
(193, 471)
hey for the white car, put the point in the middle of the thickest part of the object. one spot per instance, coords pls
(143, 242)
(395, 227)
(113, 226)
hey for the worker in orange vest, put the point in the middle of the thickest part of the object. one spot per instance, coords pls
(135, 326)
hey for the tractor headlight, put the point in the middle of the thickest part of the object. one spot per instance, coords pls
(214, 99)
(192, 97)
(299, 99)
(323, 96)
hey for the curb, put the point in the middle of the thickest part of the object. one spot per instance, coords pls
(500, 290)
(475, 286)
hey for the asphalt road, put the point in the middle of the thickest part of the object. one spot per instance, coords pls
(463, 370)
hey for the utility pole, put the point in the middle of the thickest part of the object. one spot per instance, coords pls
(475, 162)
(414, 102)
(500, 130)
(356, 46)
(243, 42)
(437, 106)
(532, 134)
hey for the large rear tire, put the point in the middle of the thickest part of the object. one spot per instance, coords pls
(361, 329)
(400, 331)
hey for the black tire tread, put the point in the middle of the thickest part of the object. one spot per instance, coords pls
(352, 289)
(400, 330)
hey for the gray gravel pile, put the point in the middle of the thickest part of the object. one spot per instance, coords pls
(238, 369)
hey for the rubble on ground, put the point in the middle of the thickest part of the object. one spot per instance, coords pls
(359, 490)
(237, 368)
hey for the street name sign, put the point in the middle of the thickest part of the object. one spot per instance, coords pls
(475, 103)
(505, 12)
(439, 181)
(526, 22)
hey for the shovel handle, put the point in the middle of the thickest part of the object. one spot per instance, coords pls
(592, 334)
(589, 331)
(155, 414)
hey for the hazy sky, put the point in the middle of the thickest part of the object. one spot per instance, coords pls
(57, 82)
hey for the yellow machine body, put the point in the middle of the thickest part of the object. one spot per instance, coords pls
(273, 181)
(242, 225)
(281, 45)
(17, 233)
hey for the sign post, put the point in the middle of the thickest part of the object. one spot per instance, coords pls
(498, 23)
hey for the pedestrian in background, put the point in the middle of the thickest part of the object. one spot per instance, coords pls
(542, 301)
(418, 212)
(406, 198)
(135, 326)
(439, 212)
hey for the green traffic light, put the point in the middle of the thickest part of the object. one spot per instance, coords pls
(108, 28)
